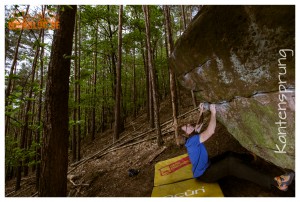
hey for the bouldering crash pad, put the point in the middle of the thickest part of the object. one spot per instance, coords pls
(173, 170)
(174, 178)
(188, 188)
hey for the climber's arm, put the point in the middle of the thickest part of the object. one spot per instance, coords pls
(199, 122)
(205, 135)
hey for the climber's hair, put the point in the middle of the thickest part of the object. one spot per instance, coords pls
(182, 136)
(181, 139)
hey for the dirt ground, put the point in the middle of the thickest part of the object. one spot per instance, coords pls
(107, 175)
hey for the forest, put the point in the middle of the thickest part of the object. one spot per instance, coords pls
(96, 97)
(110, 63)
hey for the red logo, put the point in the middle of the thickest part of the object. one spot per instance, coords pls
(168, 169)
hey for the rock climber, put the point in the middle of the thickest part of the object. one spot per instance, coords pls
(229, 163)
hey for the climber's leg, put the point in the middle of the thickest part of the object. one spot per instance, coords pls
(232, 164)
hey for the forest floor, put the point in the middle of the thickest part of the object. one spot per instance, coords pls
(106, 174)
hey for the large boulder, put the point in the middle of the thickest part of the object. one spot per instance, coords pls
(261, 128)
(236, 55)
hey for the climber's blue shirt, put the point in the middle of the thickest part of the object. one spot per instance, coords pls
(197, 154)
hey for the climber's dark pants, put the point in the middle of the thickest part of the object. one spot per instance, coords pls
(235, 164)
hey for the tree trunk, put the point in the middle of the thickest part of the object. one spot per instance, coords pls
(74, 135)
(150, 98)
(112, 54)
(183, 17)
(170, 48)
(89, 91)
(54, 164)
(164, 79)
(26, 116)
(199, 7)
(134, 86)
(149, 88)
(117, 125)
(152, 76)
(190, 13)
(30, 138)
(103, 103)
(8, 89)
(123, 95)
(147, 80)
(10, 81)
(38, 134)
(95, 87)
(78, 93)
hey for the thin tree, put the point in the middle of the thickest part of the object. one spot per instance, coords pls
(40, 104)
(54, 163)
(152, 76)
(94, 85)
(112, 51)
(145, 61)
(11, 72)
(169, 49)
(149, 104)
(103, 102)
(117, 125)
(134, 85)
(9, 83)
(25, 128)
(74, 135)
(150, 90)
(78, 91)
(183, 17)
(149, 100)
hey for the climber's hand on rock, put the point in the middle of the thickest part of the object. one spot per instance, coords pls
(212, 108)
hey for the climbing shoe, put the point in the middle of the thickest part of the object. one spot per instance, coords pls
(284, 181)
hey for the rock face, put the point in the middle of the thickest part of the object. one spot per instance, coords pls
(261, 128)
(243, 57)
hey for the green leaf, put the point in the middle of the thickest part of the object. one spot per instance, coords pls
(31, 163)
(63, 7)
(43, 44)
(30, 99)
(72, 57)
(18, 15)
(71, 122)
(70, 7)
(80, 122)
(36, 43)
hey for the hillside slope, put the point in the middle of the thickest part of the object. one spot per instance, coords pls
(106, 175)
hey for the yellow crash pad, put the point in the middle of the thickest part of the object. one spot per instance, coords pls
(188, 188)
(173, 170)
(174, 178)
